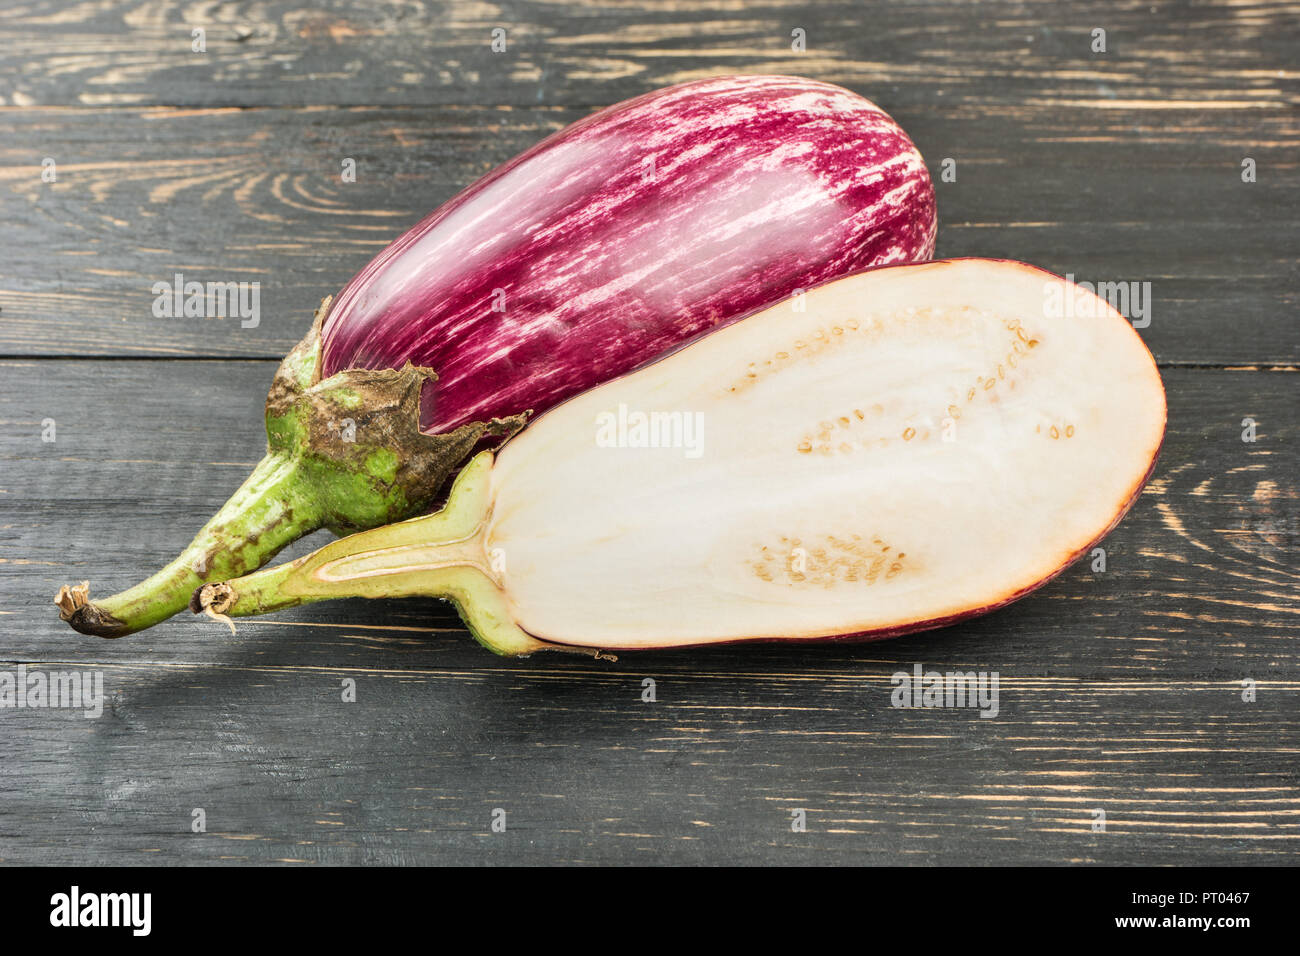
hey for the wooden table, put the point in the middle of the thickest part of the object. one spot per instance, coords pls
(1121, 691)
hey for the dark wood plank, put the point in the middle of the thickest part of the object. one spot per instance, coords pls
(1119, 691)
(1209, 55)
(588, 773)
(1125, 194)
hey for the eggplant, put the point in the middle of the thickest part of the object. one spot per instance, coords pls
(898, 450)
(620, 237)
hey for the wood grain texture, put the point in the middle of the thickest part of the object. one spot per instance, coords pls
(1214, 55)
(1120, 690)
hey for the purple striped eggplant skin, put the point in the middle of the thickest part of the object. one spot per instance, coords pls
(619, 238)
(630, 232)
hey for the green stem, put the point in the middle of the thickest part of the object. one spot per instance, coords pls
(343, 453)
(440, 555)
(273, 508)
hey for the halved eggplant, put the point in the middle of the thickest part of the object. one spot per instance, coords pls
(888, 452)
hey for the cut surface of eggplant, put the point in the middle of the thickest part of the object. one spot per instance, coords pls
(888, 452)
(911, 445)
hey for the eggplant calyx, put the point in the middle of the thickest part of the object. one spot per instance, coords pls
(357, 435)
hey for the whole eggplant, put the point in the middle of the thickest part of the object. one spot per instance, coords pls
(621, 237)
(630, 232)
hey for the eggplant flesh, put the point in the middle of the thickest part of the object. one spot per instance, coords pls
(892, 451)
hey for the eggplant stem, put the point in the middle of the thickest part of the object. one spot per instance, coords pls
(345, 453)
(273, 508)
(439, 555)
